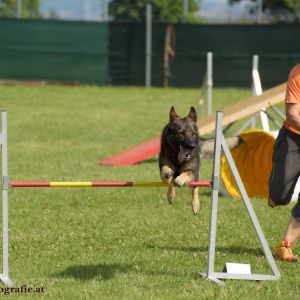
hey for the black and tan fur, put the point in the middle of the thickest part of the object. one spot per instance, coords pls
(179, 158)
(182, 148)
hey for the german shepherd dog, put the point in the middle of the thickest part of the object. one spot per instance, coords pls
(179, 158)
(181, 151)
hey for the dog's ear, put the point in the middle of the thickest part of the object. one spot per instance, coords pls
(173, 114)
(193, 114)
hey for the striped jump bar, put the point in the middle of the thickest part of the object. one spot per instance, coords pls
(102, 184)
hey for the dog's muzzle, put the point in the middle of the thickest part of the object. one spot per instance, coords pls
(185, 152)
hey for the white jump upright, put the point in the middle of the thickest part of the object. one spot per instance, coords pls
(3, 138)
(220, 144)
(209, 82)
(257, 91)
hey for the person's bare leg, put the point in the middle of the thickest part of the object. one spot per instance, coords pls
(293, 230)
(284, 250)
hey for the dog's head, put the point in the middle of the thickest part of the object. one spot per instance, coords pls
(182, 134)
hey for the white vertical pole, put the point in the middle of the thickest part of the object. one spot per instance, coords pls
(259, 4)
(105, 10)
(4, 276)
(4, 195)
(256, 87)
(256, 83)
(19, 8)
(214, 201)
(209, 73)
(185, 5)
(148, 45)
(87, 10)
(256, 91)
(214, 194)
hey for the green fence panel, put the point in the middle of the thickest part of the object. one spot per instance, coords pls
(53, 50)
(114, 53)
(127, 53)
(233, 47)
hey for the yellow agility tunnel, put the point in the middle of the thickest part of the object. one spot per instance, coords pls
(253, 159)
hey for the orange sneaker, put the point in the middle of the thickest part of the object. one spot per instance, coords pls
(284, 251)
(271, 203)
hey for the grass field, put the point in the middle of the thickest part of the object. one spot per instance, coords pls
(121, 243)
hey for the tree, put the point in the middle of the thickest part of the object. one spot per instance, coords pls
(278, 11)
(30, 8)
(162, 10)
(293, 4)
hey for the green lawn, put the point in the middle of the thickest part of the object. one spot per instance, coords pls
(121, 243)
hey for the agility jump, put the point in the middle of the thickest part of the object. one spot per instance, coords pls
(220, 144)
(22, 184)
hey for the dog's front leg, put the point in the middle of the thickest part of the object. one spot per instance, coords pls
(166, 175)
(184, 178)
(195, 200)
(187, 178)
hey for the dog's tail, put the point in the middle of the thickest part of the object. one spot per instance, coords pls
(207, 145)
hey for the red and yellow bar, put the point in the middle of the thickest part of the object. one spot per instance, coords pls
(21, 184)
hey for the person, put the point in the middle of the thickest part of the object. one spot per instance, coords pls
(286, 167)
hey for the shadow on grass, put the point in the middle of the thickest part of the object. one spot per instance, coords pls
(88, 272)
(107, 271)
(223, 250)
(104, 272)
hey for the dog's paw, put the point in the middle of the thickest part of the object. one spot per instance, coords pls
(168, 174)
(179, 182)
(195, 201)
(195, 208)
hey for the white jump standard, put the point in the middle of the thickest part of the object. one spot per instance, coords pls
(3, 139)
(220, 143)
